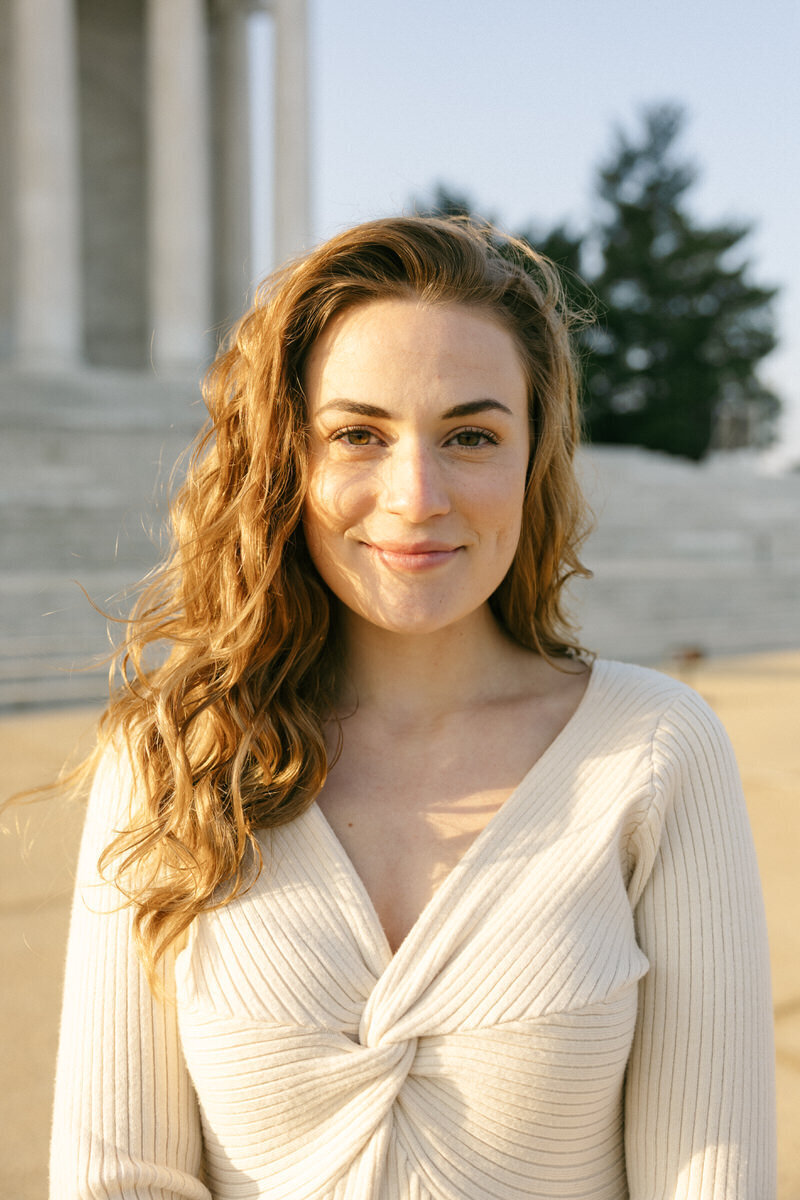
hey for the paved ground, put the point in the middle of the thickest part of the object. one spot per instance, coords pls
(758, 698)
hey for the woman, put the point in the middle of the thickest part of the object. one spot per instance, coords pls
(404, 895)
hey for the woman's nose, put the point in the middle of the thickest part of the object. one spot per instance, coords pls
(415, 487)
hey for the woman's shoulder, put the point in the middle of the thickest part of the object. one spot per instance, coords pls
(112, 797)
(678, 723)
(646, 686)
(660, 706)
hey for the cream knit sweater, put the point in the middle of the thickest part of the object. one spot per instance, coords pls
(582, 1010)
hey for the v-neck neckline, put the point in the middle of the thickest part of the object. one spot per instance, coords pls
(476, 846)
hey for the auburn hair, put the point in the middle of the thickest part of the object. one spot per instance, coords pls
(228, 671)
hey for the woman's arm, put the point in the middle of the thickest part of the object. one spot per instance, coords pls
(699, 1117)
(125, 1120)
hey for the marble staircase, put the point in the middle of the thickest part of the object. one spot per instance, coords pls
(687, 560)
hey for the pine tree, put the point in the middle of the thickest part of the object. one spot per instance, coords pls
(446, 203)
(684, 329)
(671, 363)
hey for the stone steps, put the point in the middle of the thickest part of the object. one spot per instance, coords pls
(684, 556)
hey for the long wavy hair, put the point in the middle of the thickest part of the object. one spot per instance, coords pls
(229, 667)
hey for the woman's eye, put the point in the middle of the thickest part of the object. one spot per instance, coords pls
(355, 436)
(473, 438)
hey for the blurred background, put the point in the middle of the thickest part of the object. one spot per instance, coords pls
(161, 157)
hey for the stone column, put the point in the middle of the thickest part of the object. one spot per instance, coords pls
(179, 203)
(232, 174)
(46, 181)
(291, 182)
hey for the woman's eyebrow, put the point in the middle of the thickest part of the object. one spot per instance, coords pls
(357, 407)
(468, 409)
(475, 406)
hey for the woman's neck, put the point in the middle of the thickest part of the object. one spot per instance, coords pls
(414, 681)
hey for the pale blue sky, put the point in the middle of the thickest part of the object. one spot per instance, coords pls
(514, 102)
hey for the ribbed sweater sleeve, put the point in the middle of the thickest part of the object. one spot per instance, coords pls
(699, 1118)
(125, 1120)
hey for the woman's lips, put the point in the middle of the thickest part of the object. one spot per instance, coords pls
(417, 557)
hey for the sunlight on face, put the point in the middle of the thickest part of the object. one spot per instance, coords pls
(419, 445)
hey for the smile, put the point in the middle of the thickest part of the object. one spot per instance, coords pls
(420, 557)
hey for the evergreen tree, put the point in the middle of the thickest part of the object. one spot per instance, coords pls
(565, 249)
(671, 362)
(683, 328)
(446, 203)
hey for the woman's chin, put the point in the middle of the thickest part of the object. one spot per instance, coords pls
(419, 621)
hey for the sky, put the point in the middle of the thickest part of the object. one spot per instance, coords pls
(515, 103)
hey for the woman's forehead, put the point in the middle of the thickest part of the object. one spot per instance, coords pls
(398, 339)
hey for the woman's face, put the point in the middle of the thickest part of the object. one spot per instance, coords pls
(419, 445)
